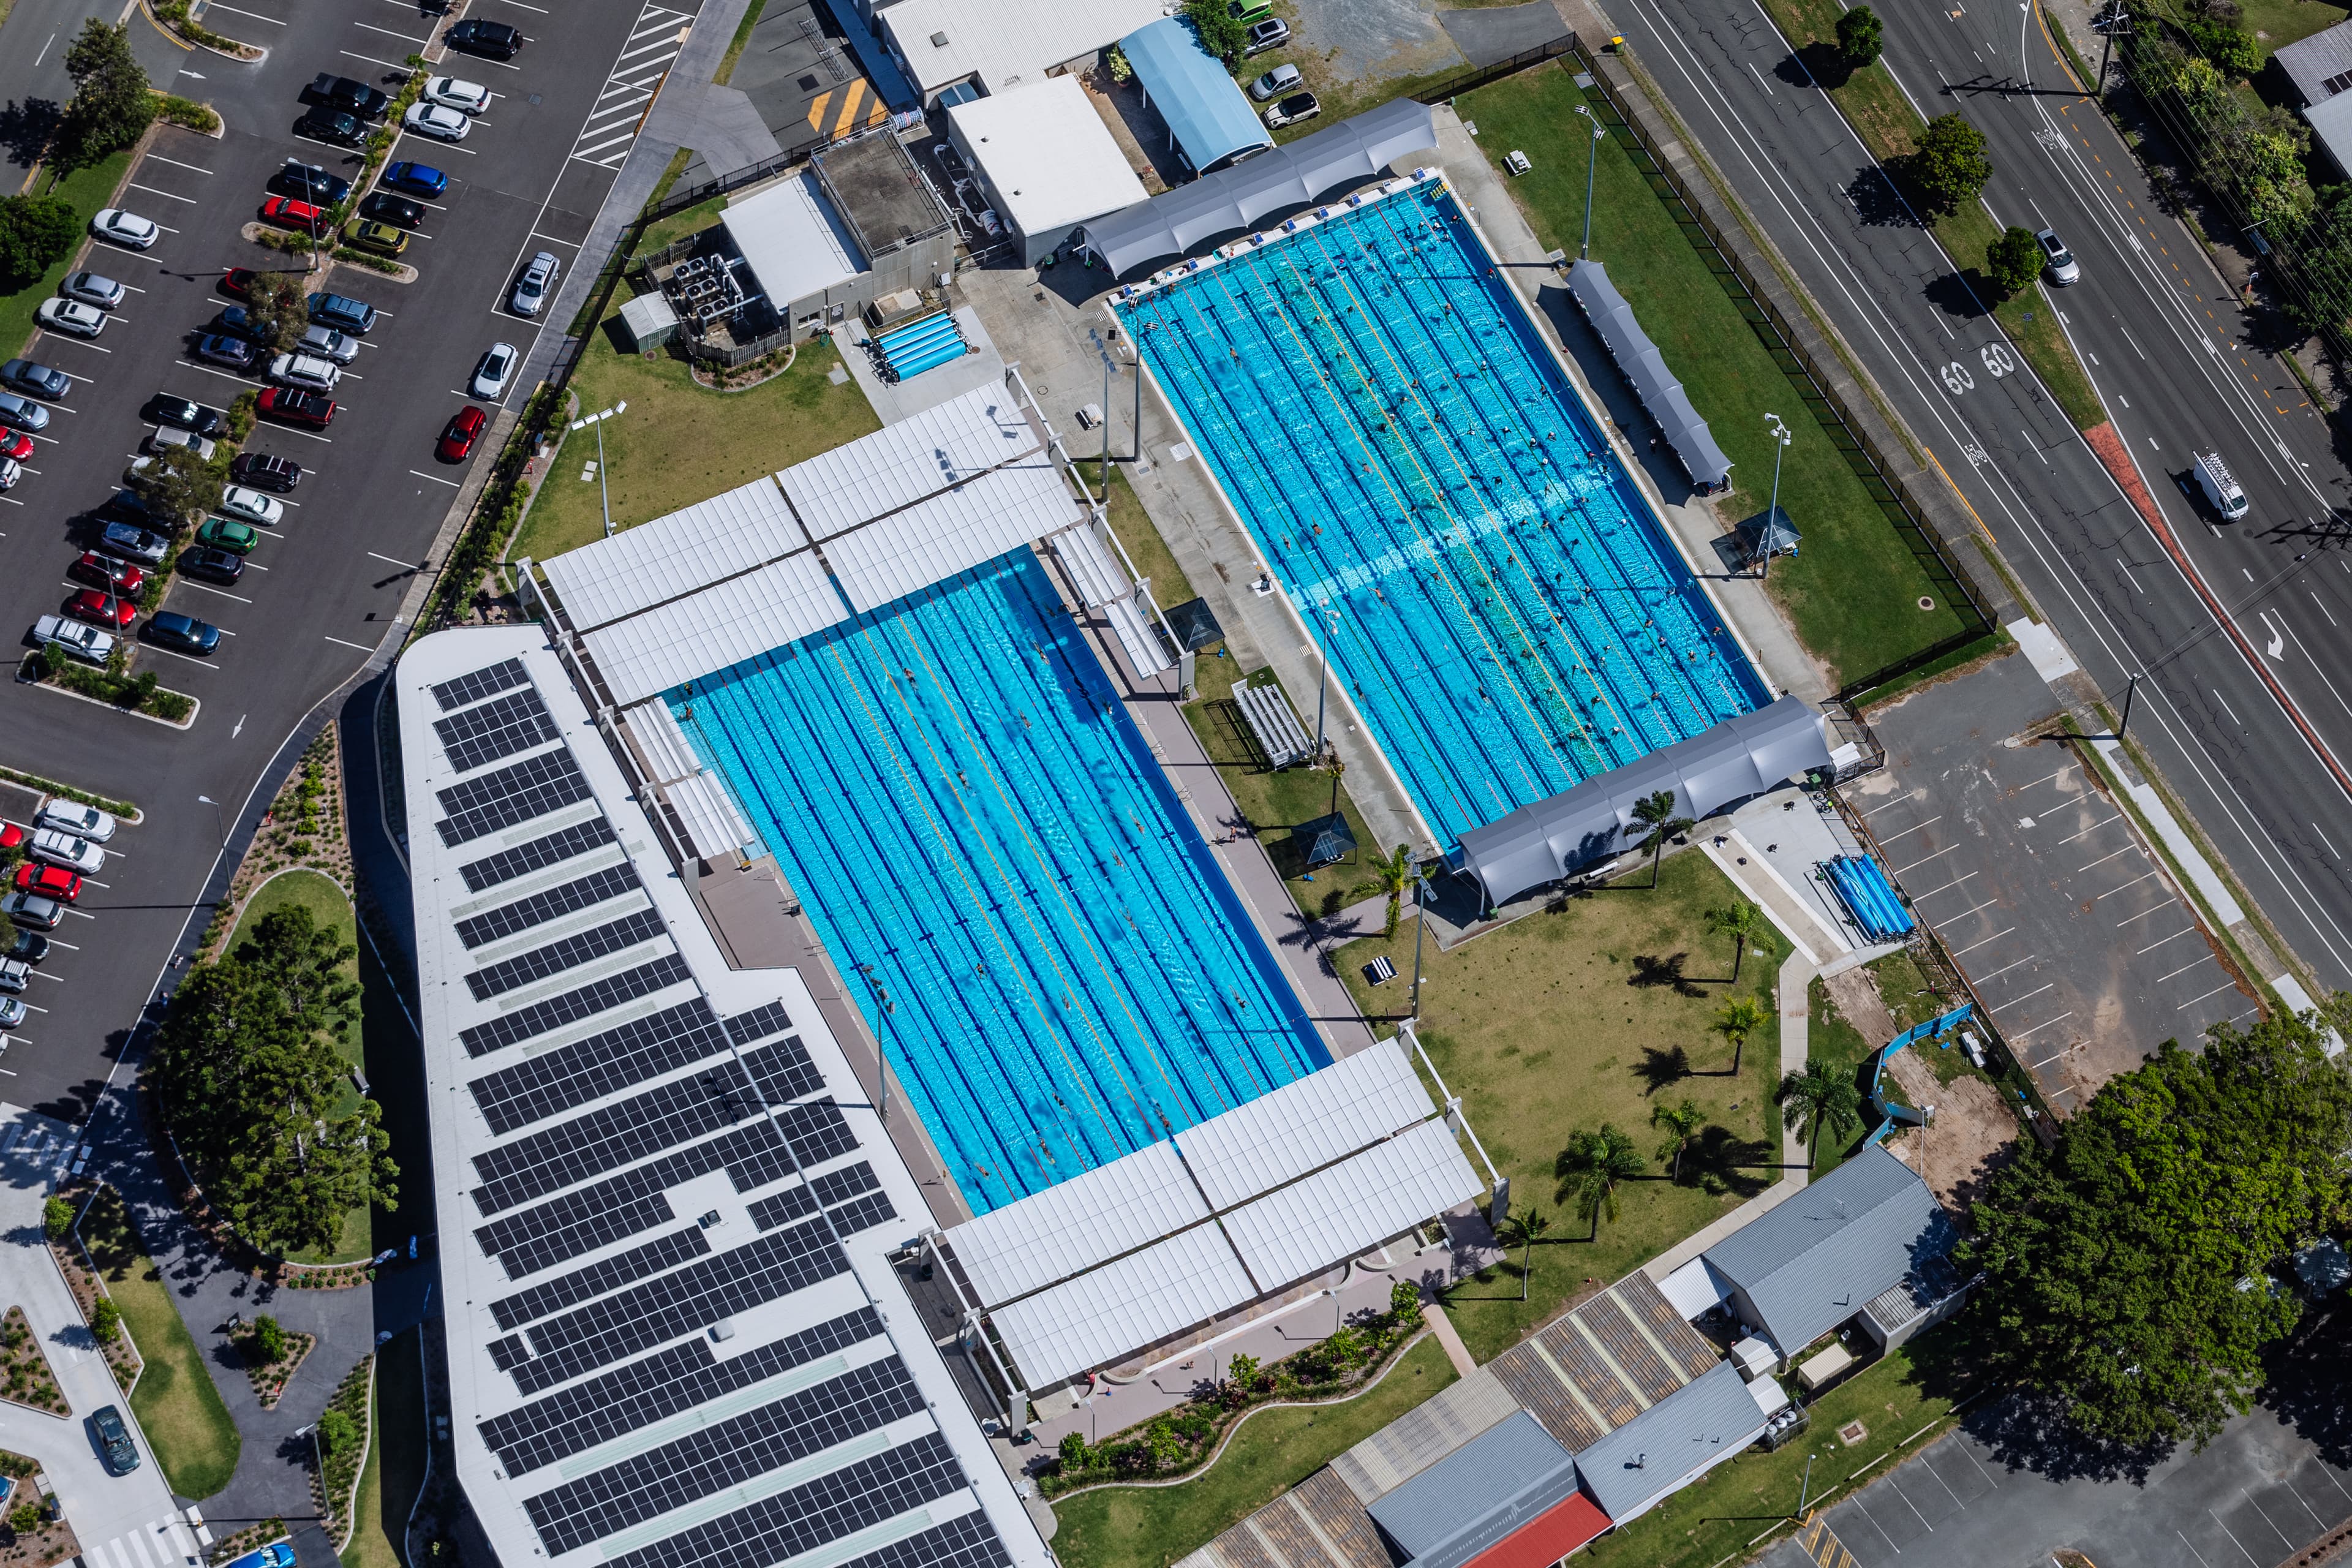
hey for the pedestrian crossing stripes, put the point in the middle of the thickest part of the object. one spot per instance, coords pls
(163, 1543)
(654, 41)
(833, 115)
(43, 1147)
(1821, 1544)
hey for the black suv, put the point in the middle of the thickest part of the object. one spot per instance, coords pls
(385, 207)
(339, 126)
(309, 182)
(165, 409)
(342, 92)
(264, 472)
(130, 506)
(496, 40)
(114, 1437)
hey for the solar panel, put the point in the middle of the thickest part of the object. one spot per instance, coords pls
(481, 683)
(524, 858)
(749, 1029)
(555, 902)
(555, 1081)
(967, 1540)
(574, 1420)
(480, 736)
(567, 952)
(602, 996)
(723, 1454)
(605, 1274)
(532, 787)
(805, 1517)
(833, 1187)
(678, 1303)
(864, 1214)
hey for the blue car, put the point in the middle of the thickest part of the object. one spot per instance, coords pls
(414, 180)
(169, 628)
(276, 1555)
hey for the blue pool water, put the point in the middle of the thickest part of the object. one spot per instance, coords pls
(1504, 609)
(1036, 932)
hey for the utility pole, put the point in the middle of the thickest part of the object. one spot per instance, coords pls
(1591, 156)
(1780, 439)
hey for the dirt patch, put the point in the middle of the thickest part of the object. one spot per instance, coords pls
(1855, 992)
(1970, 1137)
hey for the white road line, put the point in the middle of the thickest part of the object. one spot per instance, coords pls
(1924, 859)
(2143, 915)
(369, 59)
(410, 565)
(167, 653)
(2176, 936)
(2007, 968)
(2233, 1538)
(2225, 985)
(2104, 858)
(196, 168)
(1994, 937)
(2134, 882)
(1947, 888)
(453, 484)
(208, 588)
(1898, 800)
(387, 32)
(1913, 828)
(216, 6)
(551, 239)
(2028, 996)
(362, 647)
(2093, 829)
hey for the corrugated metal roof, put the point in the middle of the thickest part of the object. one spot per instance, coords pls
(658, 561)
(2313, 62)
(724, 624)
(1072, 1226)
(1812, 1262)
(1681, 1435)
(933, 540)
(712, 824)
(1003, 43)
(795, 244)
(1423, 1435)
(1350, 1207)
(901, 464)
(1047, 155)
(1139, 1300)
(1499, 1480)
(1203, 108)
(1309, 1122)
(1646, 368)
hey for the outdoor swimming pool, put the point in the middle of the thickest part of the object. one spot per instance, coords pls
(1495, 595)
(1035, 931)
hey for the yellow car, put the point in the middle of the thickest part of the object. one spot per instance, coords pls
(371, 236)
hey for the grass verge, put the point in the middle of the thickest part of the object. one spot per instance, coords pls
(1853, 593)
(1595, 1011)
(395, 1466)
(89, 190)
(1150, 1527)
(194, 1439)
(735, 46)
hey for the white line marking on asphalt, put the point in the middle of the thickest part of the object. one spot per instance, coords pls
(2028, 996)
(2225, 985)
(453, 484)
(197, 168)
(1994, 937)
(1913, 828)
(362, 647)
(2233, 1538)
(2111, 893)
(2093, 829)
(1924, 859)
(2007, 968)
(2104, 858)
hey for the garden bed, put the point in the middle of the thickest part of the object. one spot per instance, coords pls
(142, 694)
(251, 1538)
(339, 1450)
(269, 1375)
(81, 1276)
(26, 1377)
(33, 1531)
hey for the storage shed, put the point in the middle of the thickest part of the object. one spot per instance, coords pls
(1047, 160)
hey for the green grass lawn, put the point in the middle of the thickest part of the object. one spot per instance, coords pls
(1831, 1040)
(678, 443)
(89, 190)
(1853, 593)
(395, 1465)
(1153, 559)
(1593, 1012)
(1150, 1527)
(195, 1440)
(2275, 24)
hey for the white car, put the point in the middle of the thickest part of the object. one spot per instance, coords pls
(70, 850)
(2063, 269)
(126, 229)
(91, 290)
(12, 1011)
(471, 96)
(82, 641)
(492, 377)
(168, 435)
(251, 506)
(306, 370)
(328, 343)
(437, 121)
(10, 472)
(73, 317)
(537, 283)
(72, 817)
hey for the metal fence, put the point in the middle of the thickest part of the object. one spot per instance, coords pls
(1479, 76)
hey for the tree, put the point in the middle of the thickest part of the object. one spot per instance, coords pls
(105, 1320)
(1735, 1020)
(1818, 1097)
(1591, 1167)
(2013, 260)
(1743, 922)
(338, 1434)
(2128, 1267)
(1404, 1301)
(1656, 812)
(268, 1339)
(35, 233)
(179, 484)
(1391, 875)
(57, 1218)
(1680, 1123)
(1222, 33)
(277, 310)
(111, 106)
(1859, 37)
(1950, 166)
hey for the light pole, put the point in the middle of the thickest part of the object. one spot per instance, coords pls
(603, 494)
(217, 822)
(1419, 919)
(1104, 350)
(1591, 156)
(1323, 679)
(1781, 436)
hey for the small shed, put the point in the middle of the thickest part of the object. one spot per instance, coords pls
(649, 321)
(1506, 1498)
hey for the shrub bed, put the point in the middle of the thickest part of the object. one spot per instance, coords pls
(28, 1379)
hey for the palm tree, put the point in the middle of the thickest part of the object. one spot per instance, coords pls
(1736, 1019)
(1743, 922)
(1679, 1122)
(1656, 812)
(1590, 1168)
(1391, 875)
(1530, 1223)
(1820, 1095)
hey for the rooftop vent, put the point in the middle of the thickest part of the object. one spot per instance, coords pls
(939, 40)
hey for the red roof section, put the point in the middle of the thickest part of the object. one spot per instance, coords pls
(1546, 1539)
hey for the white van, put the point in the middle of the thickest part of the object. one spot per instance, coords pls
(2213, 479)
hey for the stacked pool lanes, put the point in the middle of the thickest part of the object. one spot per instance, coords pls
(1507, 613)
(1021, 908)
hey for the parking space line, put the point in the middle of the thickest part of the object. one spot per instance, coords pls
(2225, 985)
(2266, 1519)
(2111, 893)
(1971, 909)
(2042, 1025)
(362, 647)
(184, 658)
(2176, 936)
(1946, 887)
(152, 191)
(1898, 800)
(369, 59)
(2144, 913)
(2306, 1506)
(2104, 858)
(411, 565)
(2006, 968)
(2233, 1538)
(1913, 828)
(2028, 996)
(196, 168)
(2044, 779)
(2193, 1550)
(387, 32)
(552, 241)
(453, 484)
(1924, 859)
(223, 592)
(1914, 1507)
(1994, 937)
(2093, 829)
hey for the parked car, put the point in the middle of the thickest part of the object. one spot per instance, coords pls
(1299, 106)
(11, 470)
(265, 471)
(311, 183)
(238, 280)
(121, 1453)
(14, 445)
(12, 1012)
(457, 439)
(164, 436)
(106, 572)
(494, 374)
(286, 211)
(30, 947)
(35, 380)
(73, 816)
(1281, 79)
(17, 413)
(131, 543)
(2063, 269)
(328, 343)
(170, 630)
(342, 92)
(84, 642)
(226, 534)
(15, 975)
(164, 408)
(382, 206)
(537, 283)
(210, 565)
(219, 348)
(251, 506)
(70, 317)
(239, 323)
(413, 179)
(118, 226)
(437, 121)
(469, 96)
(342, 312)
(1271, 33)
(339, 127)
(92, 290)
(308, 408)
(56, 846)
(306, 370)
(381, 237)
(128, 506)
(47, 882)
(102, 609)
(26, 910)
(496, 40)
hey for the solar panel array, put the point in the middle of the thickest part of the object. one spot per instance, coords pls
(600, 1097)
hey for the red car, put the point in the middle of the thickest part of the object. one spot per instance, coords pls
(15, 444)
(100, 608)
(11, 836)
(48, 882)
(238, 280)
(464, 428)
(294, 407)
(288, 213)
(106, 572)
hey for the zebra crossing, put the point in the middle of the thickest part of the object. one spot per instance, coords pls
(612, 126)
(163, 1543)
(36, 1145)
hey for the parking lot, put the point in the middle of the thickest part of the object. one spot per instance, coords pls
(2038, 884)
(321, 589)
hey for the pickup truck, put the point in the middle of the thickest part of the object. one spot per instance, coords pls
(78, 638)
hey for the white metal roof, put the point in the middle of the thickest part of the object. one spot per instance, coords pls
(1312, 1122)
(1002, 510)
(796, 244)
(723, 624)
(674, 554)
(1350, 1207)
(668, 751)
(711, 818)
(1076, 1223)
(901, 464)
(1048, 155)
(1139, 1300)
(1005, 43)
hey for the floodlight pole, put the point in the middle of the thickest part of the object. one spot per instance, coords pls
(1781, 436)
(1420, 904)
(1591, 156)
(604, 492)
(1322, 683)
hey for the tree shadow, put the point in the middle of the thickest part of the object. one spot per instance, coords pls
(1651, 971)
(2032, 1431)
(1964, 296)
(1660, 1070)
(2308, 1383)
(25, 129)
(1817, 64)
(1877, 201)
(1720, 1161)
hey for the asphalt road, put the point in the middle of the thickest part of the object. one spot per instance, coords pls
(320, 591)
(2090, 563)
